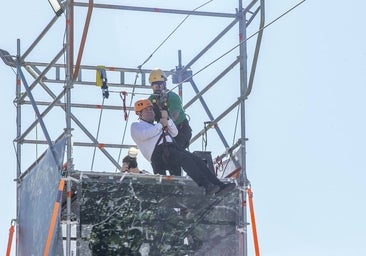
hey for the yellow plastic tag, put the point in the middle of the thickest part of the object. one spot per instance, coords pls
(99, 77)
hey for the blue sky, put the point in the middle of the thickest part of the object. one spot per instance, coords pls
(304, 118)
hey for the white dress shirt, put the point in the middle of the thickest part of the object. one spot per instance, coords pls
(146, 135)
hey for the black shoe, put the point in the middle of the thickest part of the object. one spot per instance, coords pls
(225, 188)
(212, 189)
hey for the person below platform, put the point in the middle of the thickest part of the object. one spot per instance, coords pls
(129, 162)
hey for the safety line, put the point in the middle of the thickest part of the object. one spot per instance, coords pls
(10, 239)
(96, 138)
(254, 225)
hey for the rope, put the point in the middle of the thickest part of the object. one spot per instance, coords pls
(56, 208)
(254, 226)
(10, 239)
(204, 138)
(123, 95)
(96, 138)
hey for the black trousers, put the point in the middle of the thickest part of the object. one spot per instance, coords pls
(168, 156)
(184, 134)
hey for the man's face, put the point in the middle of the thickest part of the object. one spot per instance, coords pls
(147, 114)
(157, 87)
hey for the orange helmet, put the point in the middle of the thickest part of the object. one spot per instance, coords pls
(142, 104)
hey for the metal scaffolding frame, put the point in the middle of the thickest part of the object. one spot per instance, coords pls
(73, 76)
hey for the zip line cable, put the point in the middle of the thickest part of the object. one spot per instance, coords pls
(236, 46)
(171, 33)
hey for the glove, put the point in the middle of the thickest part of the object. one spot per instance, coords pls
(164, 114)
(164, 122)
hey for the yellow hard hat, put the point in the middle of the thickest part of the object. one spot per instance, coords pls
(157, 75)
(142, 104)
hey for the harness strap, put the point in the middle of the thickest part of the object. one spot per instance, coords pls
(165, 151)
(162, 137)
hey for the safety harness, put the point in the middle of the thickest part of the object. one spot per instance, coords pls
(165, 144)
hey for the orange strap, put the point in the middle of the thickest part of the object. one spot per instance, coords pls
(10, 239)
(254, 225)
(56, 208)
